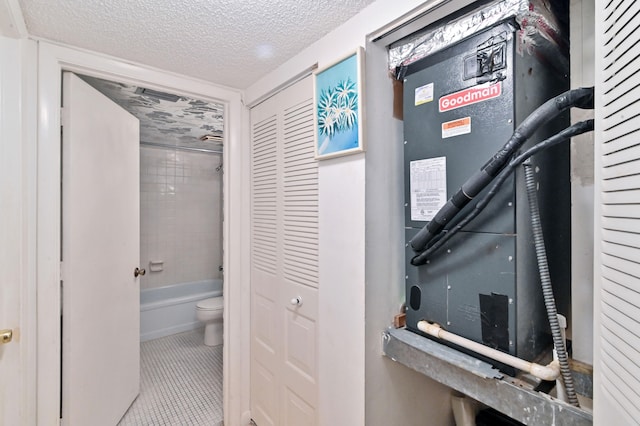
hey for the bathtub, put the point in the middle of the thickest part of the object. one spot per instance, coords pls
(172, 309)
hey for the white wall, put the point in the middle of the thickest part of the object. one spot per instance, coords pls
(582, 191)
(394, 393)
(334, 45)
(343, 283)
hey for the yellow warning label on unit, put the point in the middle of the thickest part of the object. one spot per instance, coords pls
(461, 126)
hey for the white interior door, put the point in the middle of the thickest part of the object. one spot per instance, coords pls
(100, 250)
(284, 260)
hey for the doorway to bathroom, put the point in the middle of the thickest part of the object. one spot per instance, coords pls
(180, 230)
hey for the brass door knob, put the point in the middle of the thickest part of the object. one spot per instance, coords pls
(139, 271)
(6, 336)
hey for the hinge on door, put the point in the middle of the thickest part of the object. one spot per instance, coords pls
(61, 287)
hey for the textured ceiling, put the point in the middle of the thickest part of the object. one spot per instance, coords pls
(229, 42)
(178, 122)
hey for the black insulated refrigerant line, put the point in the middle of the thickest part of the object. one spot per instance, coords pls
(580, 98)
(562, 136)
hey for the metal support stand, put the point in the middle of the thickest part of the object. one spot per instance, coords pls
(480, 381)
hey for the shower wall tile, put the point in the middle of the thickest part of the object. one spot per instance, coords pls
(180, 215)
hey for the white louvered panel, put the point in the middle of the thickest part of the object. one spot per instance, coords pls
(620, 52)
(624, 239)
(615, 8)
(619, 264)
(619, 353)
(301, 275)
(302, 265)
(621, 156)
(615, 394)
(621, 312)
(617, 51)
(622, 210)
(301, 165)
(306, 258)
(621, 350)
(623, 107)
(301, 217)
(621, 197)
(300, 270)
(630, 254)
(623, 224)
(299, 192)
(619, 208)
(264, 195)
(298, 138)
(302, 247)
(300, 196)
(620, 363)
(619, 23)
(622, 283)
(619, 144)
(627, 112)
(621, 392)
(623, 183)
(301, 148)
(622, 96)
(623, 82)
(626, 127)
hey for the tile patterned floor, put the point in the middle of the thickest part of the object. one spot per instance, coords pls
(180, 383)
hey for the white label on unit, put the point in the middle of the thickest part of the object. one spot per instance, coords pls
(424, 94)
(428, 186)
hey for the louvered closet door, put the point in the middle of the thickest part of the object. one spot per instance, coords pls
(284, 260)
(617, 328)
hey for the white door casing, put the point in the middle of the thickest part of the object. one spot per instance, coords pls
(52, 59)
(284, 260)
(100, 250)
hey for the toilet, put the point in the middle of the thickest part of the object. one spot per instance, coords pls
(209, 311)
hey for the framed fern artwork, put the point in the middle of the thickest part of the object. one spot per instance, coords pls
(338, 107)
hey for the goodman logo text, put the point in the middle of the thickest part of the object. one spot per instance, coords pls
(470, 96)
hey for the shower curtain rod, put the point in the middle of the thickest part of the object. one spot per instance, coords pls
(182, 148)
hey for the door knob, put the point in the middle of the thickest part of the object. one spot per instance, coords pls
(139, 271)
(296, 301)
(6, 336)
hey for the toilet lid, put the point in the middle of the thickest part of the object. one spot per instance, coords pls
(211, 304)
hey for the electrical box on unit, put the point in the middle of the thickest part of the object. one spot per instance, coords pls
(461, 104)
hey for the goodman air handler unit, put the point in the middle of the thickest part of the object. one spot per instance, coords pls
(489, 86)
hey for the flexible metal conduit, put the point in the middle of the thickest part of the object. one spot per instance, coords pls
(548, 372)
(547, 289)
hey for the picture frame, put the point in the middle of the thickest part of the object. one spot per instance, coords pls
(338, 107)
